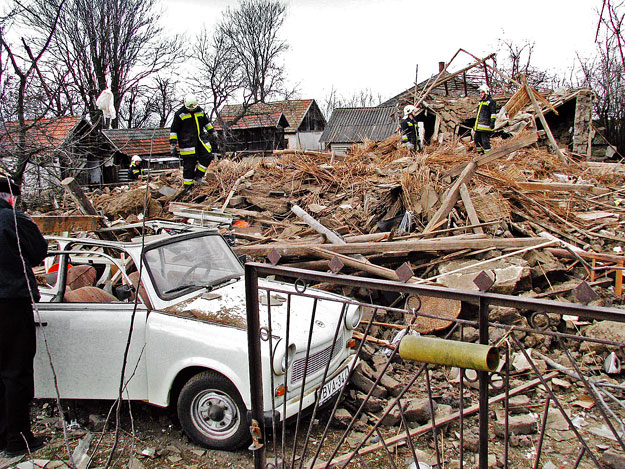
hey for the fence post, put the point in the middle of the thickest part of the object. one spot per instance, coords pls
(483, 378)
(255, 364)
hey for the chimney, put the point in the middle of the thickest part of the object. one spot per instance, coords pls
(441, 66)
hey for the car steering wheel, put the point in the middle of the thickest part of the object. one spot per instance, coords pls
(192, 269)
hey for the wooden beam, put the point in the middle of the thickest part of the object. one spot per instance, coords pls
(451, 198)
(360, 265)
(49, 224)
(423, 245)
(561, 187)
(468, 206)
(84, 205)
(319, 228)
(543, 121)
(522, 141)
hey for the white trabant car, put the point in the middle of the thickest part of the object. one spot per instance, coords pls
(184, 342)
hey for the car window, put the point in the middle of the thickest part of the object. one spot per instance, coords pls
(193, 263)
(92, 274)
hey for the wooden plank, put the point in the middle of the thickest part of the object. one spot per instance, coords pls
(531, 92)
(522, 141)
(365, 266)
(49, 224)
(516, 102)
(451, 198)
(468, 206)
(433, 245)
(561, 187)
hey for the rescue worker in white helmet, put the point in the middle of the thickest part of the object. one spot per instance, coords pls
(484, 120)
(135, 169)
(193, 133)
(409, 130)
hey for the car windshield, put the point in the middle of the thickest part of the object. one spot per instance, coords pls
(191, 263)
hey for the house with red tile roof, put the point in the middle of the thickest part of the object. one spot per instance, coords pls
(56, 148)
(151, 144)
(304, 124)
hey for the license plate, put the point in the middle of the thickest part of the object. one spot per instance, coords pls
(333, 386)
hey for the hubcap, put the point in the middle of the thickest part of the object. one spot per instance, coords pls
(215, 414)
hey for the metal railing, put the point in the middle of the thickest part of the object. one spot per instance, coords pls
(335, 443)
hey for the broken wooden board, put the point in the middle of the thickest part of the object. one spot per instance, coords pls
(522, 141)
(50, 224)
(441, 307)
(203, 216)
(450, 198)
(562, 187)
(450, 243)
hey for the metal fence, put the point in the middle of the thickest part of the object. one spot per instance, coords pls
(479, 421)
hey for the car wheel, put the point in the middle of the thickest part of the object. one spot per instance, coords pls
(212, 412)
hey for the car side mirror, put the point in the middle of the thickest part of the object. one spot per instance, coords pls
(123, 292)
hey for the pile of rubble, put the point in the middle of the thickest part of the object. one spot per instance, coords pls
(538, 226)
(422, 210)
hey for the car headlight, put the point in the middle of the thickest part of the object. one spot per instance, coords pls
(353, 317)
(282, 358)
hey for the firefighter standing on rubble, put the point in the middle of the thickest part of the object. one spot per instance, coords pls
(484, 120)
(409, 131)
(23, 247)
(193, 133)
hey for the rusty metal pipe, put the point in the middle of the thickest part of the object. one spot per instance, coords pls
(449, 352)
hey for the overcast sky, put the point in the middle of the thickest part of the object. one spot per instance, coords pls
(376, 44)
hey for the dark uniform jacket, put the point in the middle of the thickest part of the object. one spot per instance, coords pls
(34, 248)
(190, 128)
(135, 171)
(486, 114)
(409, 131)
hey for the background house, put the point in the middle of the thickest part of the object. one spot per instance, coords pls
(355, 125)
(151, 144)
(305, 120)
(252, 131)
(56, 148)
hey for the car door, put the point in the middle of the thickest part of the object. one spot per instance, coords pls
(83, 330)
(86, 344)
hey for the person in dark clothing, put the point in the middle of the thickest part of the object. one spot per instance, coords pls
(135, 169)
(193, 133)
(409, 130)
(484, 120)
(23, 247)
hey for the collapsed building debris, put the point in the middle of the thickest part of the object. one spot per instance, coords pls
(521, 220)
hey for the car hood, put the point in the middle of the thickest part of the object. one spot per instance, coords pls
(226, 306)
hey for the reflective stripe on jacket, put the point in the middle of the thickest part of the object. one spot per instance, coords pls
(409, 133)
(486, 114)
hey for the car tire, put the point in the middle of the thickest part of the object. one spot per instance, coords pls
(212, 413)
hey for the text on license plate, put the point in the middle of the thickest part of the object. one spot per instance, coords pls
(333, 386)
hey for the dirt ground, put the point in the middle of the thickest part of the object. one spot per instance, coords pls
(159, 442)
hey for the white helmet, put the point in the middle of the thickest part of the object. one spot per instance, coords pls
(190, 101)
(410, 109)
(135, 159)
(484, 88)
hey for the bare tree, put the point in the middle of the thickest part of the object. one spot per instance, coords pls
(27, 113)
(252, 34)
(114, 44)
(220, 71)
(611, 19)
(604, 73)
(516, 59)
(360, 98)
